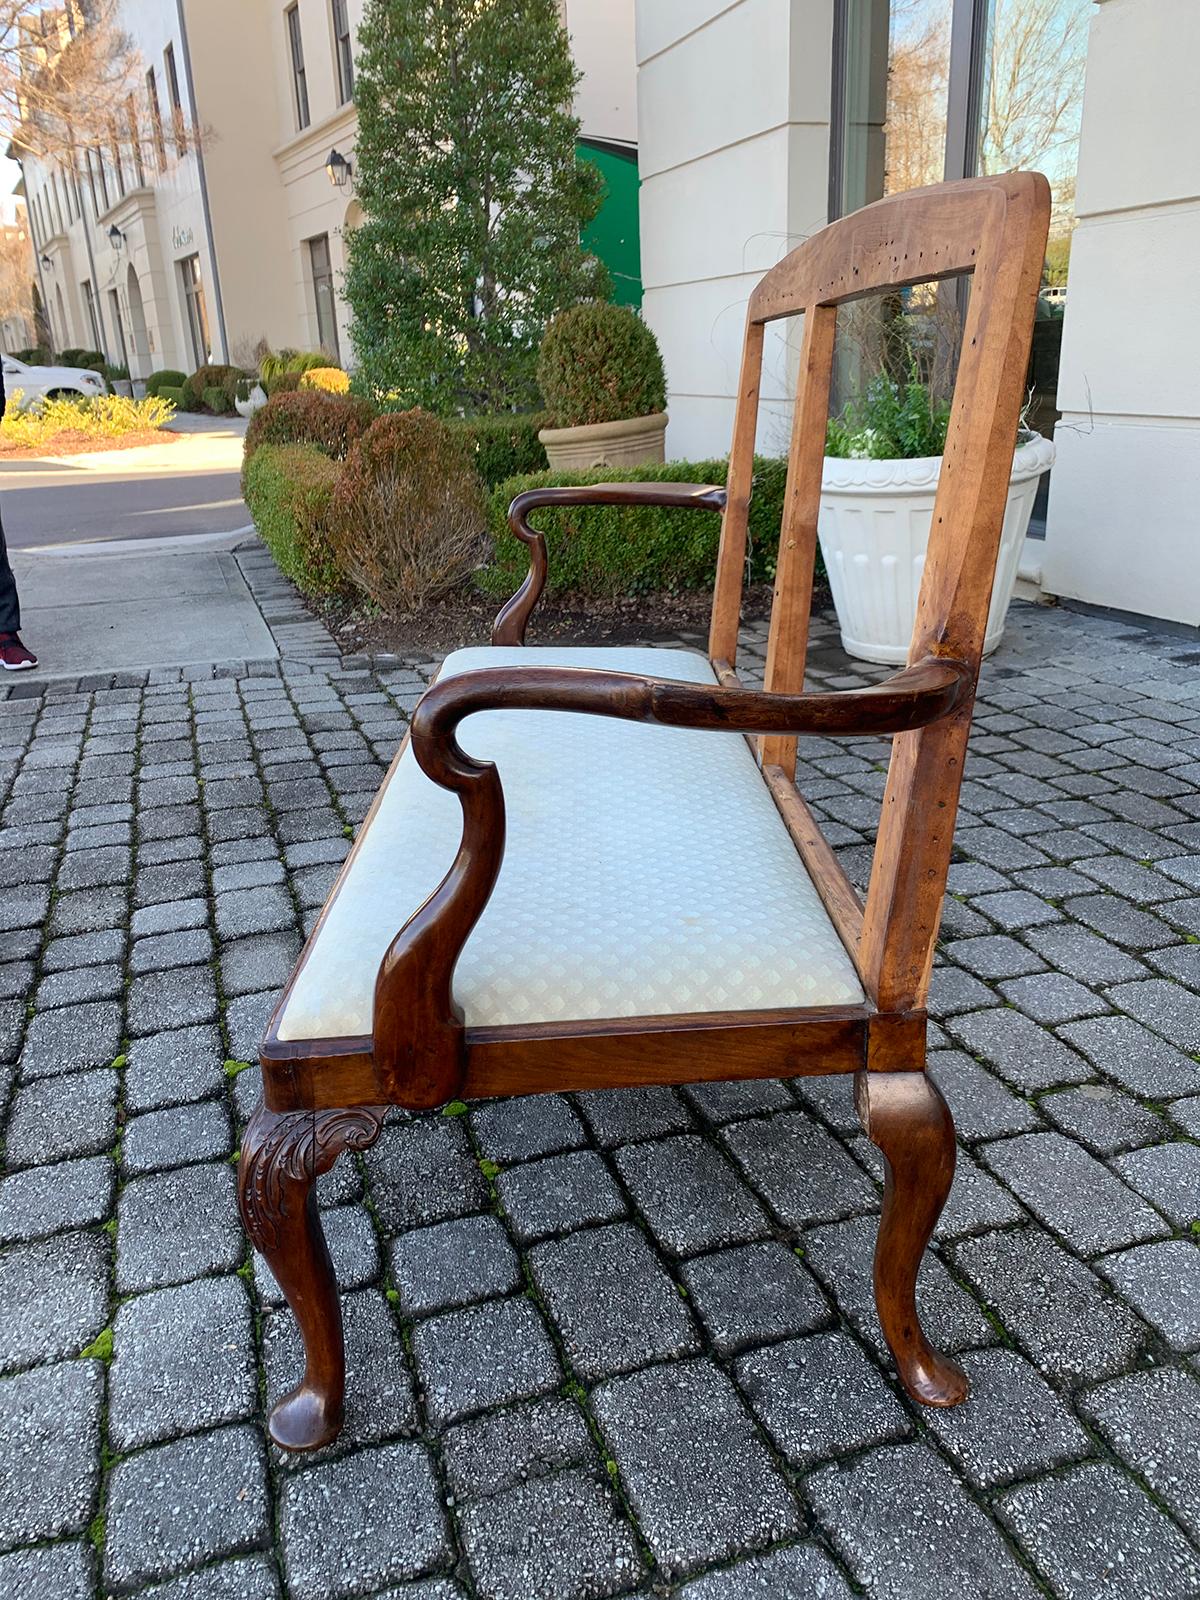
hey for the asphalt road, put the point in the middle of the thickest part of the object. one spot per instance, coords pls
(65, 505)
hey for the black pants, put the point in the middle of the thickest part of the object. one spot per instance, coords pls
(10, 609)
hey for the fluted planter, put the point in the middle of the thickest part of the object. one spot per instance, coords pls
(629, 443)
(874, 527)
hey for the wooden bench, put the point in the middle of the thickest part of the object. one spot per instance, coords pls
(543, 900)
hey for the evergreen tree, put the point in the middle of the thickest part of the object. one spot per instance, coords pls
(473, 199)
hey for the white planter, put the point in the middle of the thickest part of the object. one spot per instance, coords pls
(256, 399)
(607, 444)
(874, 530)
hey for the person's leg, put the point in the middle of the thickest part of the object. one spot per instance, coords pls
(10, 607)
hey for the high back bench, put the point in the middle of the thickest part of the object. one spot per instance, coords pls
(582, 871)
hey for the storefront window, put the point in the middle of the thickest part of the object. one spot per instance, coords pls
(195, 310)
(321, 269)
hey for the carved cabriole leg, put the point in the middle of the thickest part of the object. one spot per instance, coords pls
(282, 1155)
(904, 1114)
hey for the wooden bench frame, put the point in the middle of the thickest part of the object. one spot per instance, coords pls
(325, 1096)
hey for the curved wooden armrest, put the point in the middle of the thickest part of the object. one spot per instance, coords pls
(419, 1046)
(509, 626)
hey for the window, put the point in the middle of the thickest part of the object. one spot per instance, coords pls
(299, 81)
(195, 309)
(156, 123)
(135, 141)
(321, 269)
(343, 46)
(93, 311)
(177, 117)
(114, 311)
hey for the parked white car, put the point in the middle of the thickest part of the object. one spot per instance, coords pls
(40, 383)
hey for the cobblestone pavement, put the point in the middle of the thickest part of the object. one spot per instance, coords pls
(616, 1343)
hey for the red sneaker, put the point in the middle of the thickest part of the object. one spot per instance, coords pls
(13, 655)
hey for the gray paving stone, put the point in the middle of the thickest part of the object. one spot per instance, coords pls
(801, 1171)
(1014, 909)
(993, 956)
(819, 1397)
(169, 916)
(245, 1578)
(1169, 1176)
(244, 911)
(175, 1136)
(84, 950)
(591, 1551)
(170, 1068)
(264, 961)
(85, 911)
(557, 1194)
(246, 1021)
(173, 999)
(754, 1294)
(1013, 1425)
(903, 1524)
(952, 990)
(1082, 954)
(619, 1116)
(350, 1526)
(1152, 1421)
(1051, 1304)
(613, 1304)
(379, 1393)
(52, 1119)
(184, 1360)
(494, 1453)
(689, 1195)
(71, 1039)
(180, 1505)
(79, 985)
(48, 1572)
(191, 947)
(533, 1125)
(1117, 920)
(797, 1572)
(1102, 1117)
(1162, 1283)
(486, 1356)
(49, 1451)
(452, 1264)
(698, 1477)
(1096, 1536)
(842, 1254)
(1024, 1054)
(172, 1226)
(44, 1200)
(424, 1171)
(1073, 1193)
(1052, 997)
(53, 1298)
(730, 1101)
(983, 1107)
(1135, 1057)
(353, 1248)
(1187, 1114)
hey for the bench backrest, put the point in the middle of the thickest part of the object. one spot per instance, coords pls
(994, 228)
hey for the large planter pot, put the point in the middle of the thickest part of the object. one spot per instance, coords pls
(874, 530)
(607, 444)
(122, 386)
(139, 388)
(255, 400)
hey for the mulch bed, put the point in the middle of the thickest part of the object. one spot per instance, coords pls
(80, 444)
(457, 621)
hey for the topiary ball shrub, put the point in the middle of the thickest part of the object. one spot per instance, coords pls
(407, 519)
(331, 422)
(165, 377)
(332, 379)
(210, 376)
(600, 363)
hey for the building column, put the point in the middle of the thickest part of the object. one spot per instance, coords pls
(733, 153)
(1123, 527)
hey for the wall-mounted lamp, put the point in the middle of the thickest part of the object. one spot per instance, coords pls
(338, 169)
(116, 238)
(47, 263)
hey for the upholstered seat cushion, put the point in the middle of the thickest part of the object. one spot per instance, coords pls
(646, 872)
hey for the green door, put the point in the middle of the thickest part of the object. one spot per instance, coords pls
(613, 234)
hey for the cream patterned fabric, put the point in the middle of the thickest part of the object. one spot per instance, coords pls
(646, 872)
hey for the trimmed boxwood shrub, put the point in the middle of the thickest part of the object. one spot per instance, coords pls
(172, 392)
(288, 489)
(600, 363)
(165, 376)
(331, 422)
(611, 550)
(217, 400)
(408, 514)
(211, 376)
(503, 446)
(332, 379)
